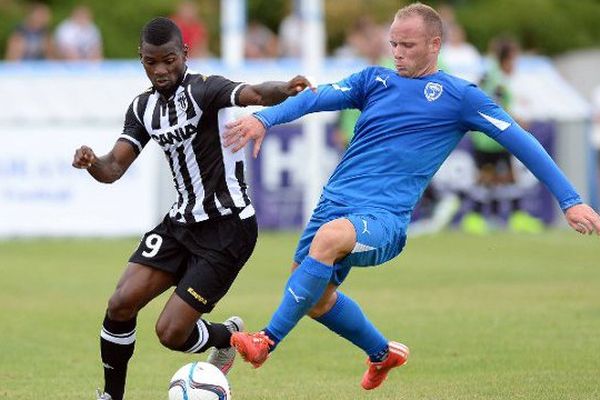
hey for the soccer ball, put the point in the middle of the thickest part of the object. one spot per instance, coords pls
(199, 381)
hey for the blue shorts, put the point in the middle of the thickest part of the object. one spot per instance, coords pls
(380, 236)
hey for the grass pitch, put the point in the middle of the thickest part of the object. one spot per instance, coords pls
(496, 317)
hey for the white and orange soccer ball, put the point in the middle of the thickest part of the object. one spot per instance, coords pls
(199, 381)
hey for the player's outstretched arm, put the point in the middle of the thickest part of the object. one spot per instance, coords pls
(108, 168)
(240, 131)
(583, 219)
(273, 92)
(328, 98)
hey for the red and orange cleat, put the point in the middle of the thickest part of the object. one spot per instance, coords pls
(253, 347)
(378, 371)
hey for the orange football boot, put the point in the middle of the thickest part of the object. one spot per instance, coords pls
(252, 346)
(378, 371)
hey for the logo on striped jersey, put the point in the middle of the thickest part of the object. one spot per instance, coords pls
(182, 102)
(176, 135)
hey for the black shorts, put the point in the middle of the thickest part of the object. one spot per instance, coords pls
(205, 257)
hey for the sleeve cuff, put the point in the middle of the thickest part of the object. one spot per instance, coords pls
(137, 146)
(235, 95)
(262, 119)
(573, 201)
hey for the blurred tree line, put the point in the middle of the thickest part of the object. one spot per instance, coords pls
(545, 26)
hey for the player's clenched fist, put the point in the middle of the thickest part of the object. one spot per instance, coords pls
(84, 157)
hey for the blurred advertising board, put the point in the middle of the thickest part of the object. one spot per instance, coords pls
(41, 194)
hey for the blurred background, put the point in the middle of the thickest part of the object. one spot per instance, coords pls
(70, 70)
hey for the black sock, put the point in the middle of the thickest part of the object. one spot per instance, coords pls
(205, 335)
(117, 340)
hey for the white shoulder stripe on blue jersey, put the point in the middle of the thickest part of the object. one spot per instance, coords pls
(498, 123)
(341, 88)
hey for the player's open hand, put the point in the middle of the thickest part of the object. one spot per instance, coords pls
(84, 158)
(583, 219)
(298, 84)
(240, 131)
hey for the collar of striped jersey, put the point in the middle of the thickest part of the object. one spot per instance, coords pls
(164, 100)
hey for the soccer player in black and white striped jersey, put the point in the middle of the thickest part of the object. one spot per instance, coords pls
(210, 231)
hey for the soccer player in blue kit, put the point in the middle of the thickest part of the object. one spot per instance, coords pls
(411, 120)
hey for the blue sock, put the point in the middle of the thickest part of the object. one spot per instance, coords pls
(302, 291)
(347, 320)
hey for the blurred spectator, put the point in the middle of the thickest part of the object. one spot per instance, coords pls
(436, 209)
(193, 30)
(290, 32)
(496, 175)
(260, 41)
(460, 57)
(31, 39)
(596, 111)
(77, 37)
(367, 40)
(448, 17)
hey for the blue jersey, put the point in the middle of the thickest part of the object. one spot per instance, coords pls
(407, 128)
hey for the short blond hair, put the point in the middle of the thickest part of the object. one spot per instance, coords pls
(430, 16)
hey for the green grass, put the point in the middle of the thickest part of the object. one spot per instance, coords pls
(497, 317)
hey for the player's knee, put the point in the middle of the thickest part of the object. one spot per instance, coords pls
(170, 335)
(121, 307)
(332, 242)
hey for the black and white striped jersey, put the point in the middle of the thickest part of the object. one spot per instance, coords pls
(208, 177)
